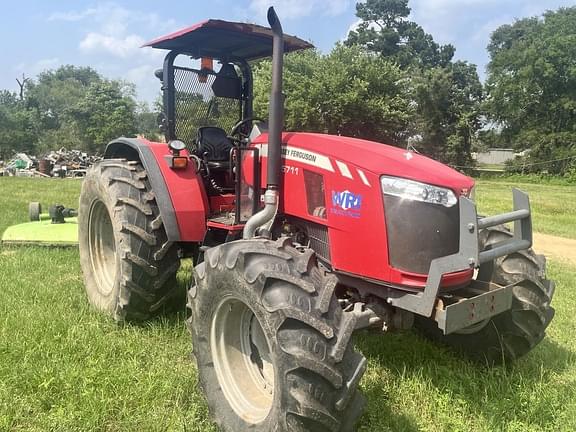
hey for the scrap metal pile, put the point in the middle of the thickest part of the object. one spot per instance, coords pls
(61, 163)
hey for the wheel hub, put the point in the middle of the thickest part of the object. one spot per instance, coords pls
(242, 360)
(102, 246)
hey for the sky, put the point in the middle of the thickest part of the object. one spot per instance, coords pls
(36, 35)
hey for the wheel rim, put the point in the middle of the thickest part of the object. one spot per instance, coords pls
(102, 247)
(242, 360)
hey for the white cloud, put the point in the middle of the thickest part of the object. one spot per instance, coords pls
(354, 27)
(114, 18)
(111, 41)
(449, 20)
(147, 85)
(484, 32)
(71, 16)
(291, 9)
(108, 27)
(31, 69)
(118, 46)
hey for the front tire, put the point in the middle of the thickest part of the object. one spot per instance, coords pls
(129, 265)
(515, 332)
(272, 345)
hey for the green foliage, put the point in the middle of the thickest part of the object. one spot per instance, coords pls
(448, 111)
(441, 110)
(532, 87)
(147, 121)
(57, 91)
(18, 126)
(104, 113)
(347, 92)
(385, 29)
(73, 107)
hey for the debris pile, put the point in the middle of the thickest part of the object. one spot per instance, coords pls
(61, 163)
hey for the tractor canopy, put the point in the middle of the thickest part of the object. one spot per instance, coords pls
(223, 39)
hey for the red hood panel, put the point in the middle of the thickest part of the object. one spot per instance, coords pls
(380, 159)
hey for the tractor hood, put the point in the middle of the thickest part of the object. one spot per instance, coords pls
(379, 159)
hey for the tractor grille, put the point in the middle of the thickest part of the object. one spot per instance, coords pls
(318, 236)
(195, 105)
(419, 232)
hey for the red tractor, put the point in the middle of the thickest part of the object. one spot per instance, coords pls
(299, 240)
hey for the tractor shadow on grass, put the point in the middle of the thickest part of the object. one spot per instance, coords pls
(174, 312)
(408, 374)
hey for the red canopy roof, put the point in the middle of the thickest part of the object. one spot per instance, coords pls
(216, 38)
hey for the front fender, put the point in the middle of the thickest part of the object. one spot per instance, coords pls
(179, 194)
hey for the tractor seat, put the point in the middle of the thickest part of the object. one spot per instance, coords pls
(214, 147)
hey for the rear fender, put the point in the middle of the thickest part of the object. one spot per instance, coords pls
(180, 194)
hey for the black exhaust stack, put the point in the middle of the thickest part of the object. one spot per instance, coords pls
(264, 219)
(276, 104)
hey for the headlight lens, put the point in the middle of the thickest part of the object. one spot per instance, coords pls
(413, 190)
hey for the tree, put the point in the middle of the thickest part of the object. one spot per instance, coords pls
(71, 107)
(348, 92)
(18, 126)
(448, 112)
(531, 87)
(385, 29)
(104, 113)
(22, 84)
(146, 121)
(56, 91)
(445, 95)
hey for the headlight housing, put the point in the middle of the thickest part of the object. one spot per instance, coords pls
(416, 191)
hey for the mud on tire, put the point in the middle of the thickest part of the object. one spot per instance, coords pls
(129, 265)
(513, 333)
(309, 366)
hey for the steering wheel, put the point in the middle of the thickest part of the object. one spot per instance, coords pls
(235, 133)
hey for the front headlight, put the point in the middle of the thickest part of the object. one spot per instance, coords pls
(413, 190)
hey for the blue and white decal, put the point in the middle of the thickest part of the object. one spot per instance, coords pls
(346, 203)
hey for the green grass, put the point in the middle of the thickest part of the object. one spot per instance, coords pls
(64, 367)
(553, 206)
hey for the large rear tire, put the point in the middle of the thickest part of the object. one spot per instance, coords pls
(272, 345)
(513, 333)
(129, 265)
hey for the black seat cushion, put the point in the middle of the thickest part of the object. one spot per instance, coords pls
(214, 144)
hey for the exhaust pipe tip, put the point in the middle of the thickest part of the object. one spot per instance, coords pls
(273, 19)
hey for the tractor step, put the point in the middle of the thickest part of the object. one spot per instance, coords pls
(225, 221)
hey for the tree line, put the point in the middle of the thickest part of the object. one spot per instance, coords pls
(389, 81)
(72, 107)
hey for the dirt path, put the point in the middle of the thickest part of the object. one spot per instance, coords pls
(556, 247)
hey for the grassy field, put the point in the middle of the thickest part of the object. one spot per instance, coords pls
(63, 367)
(553, 207)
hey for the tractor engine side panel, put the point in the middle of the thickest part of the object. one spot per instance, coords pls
(342, 197)
(180, 194)
(348, 201)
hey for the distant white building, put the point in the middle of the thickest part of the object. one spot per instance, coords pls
(496, 156)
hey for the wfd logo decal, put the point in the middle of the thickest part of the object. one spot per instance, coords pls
(346, 203)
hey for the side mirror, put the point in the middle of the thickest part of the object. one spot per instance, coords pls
(159, 73)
